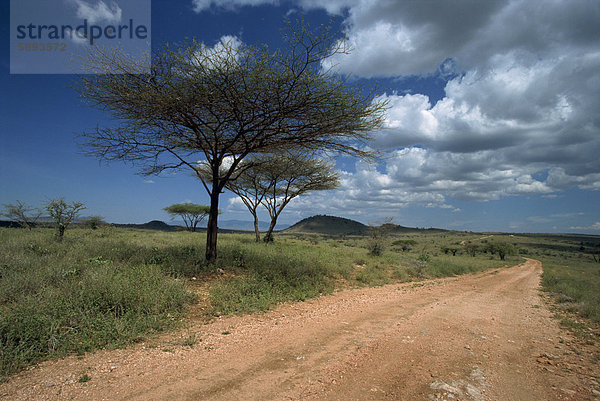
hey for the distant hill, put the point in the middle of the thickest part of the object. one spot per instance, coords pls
(329, 225)
(397, 229)
(151, 225)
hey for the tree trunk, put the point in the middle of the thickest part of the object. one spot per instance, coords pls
(212, 227)
(256, 231)
(269, 234)
(61, 231)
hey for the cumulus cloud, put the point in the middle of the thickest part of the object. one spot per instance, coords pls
(392, 38)
(505, 123)
(519, 112)
(223, 52)
(98, 12)
(593, 227)
(202, 5)
(521, 100)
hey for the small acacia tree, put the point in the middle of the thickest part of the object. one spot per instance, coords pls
(21, 213)
(273, 180)
(199, 103)
(378, 234)
(191, 213)
(502, 249)
(63, 214)
(286, 176)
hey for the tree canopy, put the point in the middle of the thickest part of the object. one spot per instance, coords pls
(287, 176)
(191, 213)
(227, 102)
(63, 214)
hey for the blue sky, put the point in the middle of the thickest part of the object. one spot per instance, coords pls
(493, 122)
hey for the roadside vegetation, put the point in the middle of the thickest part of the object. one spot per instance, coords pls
(571, 278)
(109, 287)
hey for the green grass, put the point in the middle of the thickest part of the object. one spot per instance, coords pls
(571, 274)
(85, 293)
(575, 284)
(298, 267)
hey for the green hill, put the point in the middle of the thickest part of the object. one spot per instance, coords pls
(329, 225)
(332, 225)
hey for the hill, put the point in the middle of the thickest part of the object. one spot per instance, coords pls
(329, 225)
(151, 225)
(332, 225)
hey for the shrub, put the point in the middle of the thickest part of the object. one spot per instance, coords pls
(424, 257)
(375, 247)
(94, 222)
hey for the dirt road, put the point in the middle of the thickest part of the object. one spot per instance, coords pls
(482, 337)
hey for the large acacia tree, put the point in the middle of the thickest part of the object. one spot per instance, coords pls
(227, 102)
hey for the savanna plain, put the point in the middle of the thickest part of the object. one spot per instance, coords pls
(115, 313)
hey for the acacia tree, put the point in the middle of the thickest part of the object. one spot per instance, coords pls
(248, 185)
(288, 176)
(63, 214)
(502, 249)
(21, 213)
(198, 103)
(250, 188)
(273, 180)
(191, 213)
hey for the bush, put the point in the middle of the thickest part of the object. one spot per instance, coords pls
(405, 244)
(270, 274)
(375, 247)
(424, 257)
(372, 275)
(94, 222)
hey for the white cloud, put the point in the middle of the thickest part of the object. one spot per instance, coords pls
(539, 219)
(507, 123)
(526, 101)
(368, 193)
(593, 227)
(335, 7)
(202, 5)
(520, 111)
(392, 38)
(98, 12)
(224, 52)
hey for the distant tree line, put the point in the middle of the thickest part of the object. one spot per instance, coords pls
(502, 249)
